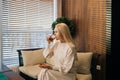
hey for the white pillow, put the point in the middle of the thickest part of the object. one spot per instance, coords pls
(33, 57)
(84, 62)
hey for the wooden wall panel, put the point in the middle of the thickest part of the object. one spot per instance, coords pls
(97, 26)
(89, 17)
(76, 10)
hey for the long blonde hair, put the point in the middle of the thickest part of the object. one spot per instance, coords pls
(64, 32)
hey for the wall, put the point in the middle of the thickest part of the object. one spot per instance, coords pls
(90, 19)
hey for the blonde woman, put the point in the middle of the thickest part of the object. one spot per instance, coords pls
(64, 53)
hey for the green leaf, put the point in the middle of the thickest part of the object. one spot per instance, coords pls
(67, 21)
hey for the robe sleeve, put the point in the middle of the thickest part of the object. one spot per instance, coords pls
(68, 62)
(49, 51)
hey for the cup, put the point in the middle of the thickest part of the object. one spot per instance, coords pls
(51, 37)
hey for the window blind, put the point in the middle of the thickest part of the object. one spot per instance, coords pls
(0, 36)
(108, 26)
(25, 24)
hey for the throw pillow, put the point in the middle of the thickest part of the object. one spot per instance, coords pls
(33, 57)
(84, 62)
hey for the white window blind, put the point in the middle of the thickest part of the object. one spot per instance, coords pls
(25, 24)
(0, 35)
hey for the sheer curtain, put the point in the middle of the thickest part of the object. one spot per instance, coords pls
(25, 24)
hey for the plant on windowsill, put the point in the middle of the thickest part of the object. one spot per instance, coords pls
(67, 21)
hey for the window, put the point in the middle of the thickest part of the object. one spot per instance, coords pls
(25, 24)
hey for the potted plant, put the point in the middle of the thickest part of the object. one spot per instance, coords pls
(67, 21)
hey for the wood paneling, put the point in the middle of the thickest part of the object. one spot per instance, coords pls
(59, 7)
(77, 11)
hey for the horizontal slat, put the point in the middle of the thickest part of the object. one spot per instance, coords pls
(25, 24)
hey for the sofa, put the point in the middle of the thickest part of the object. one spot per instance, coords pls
(29, 60)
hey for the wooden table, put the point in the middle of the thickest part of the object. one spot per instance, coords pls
(10, 74)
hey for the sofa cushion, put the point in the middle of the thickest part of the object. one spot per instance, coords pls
(84, 62)
(33, 57)
(84, 77)
(32, 70)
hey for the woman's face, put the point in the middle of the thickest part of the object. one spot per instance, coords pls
(56, 34)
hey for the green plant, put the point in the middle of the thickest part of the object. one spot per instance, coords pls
(67, 21)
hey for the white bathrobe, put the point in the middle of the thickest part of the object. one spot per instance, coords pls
(64, 66)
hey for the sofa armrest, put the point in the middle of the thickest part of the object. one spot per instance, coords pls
(94, 63)
(20, 54)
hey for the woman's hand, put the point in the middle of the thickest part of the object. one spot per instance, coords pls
(50, 38)
(45, 66)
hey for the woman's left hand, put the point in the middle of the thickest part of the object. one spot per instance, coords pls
(45, 66)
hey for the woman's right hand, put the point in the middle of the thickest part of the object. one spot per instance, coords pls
(50, 38)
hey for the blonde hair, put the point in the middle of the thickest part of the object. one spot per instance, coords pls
(64, 32)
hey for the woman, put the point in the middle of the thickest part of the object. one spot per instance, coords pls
(64, 53)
